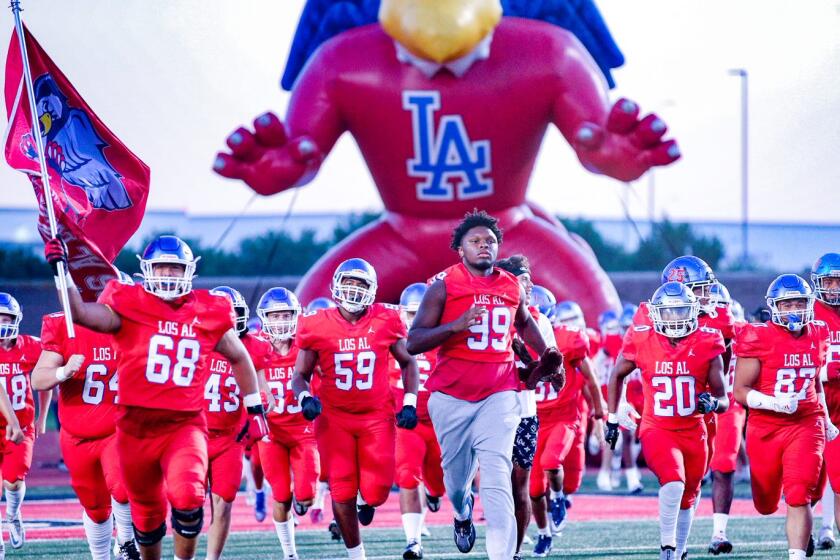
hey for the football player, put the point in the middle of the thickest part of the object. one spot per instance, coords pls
(18, 355)
(609, 331)
(85, 368)
(418, 452)
(163, 333)
(352, 344)
(777, 378)
(289, 455)
(470, 311)
(678, 360)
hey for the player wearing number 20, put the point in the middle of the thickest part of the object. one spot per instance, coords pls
(776, 377)
(678, 359)
(164, 332)
(351, 345)
(290, 453)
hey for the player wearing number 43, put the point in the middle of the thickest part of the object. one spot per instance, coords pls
(351, 345)
(18, 354)
(677, 359)
(776, 377)
(163, 333)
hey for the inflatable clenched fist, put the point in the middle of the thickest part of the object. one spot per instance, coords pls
(450, 116)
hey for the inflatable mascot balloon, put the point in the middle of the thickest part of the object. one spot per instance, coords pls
(448, 101)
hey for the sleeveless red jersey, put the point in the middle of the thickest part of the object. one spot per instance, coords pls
(426, 362)
(353, 358)
(672, 376)
(222, 396)
(163, 347)
(574, 345)
(87, 402)
(16, 365)
(789, 366)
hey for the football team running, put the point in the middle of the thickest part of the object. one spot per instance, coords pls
(477, 369)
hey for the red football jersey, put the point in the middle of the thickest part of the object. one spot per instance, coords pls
(279, 369)
(353, 358)
(672, 376)
(16, 365)
(789, 365)
(594, 341)
(830, 316)
(425, 364)
(87, 402)
(163, 347)
(574, 345)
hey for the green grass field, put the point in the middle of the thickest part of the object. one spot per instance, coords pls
(753, 538)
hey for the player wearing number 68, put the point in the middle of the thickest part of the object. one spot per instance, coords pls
(163, 333)
(679, 362)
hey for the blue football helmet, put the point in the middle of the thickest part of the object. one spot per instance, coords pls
(790, 287)
(608, 322)
(569, 313)
(320, 303)
(351, 297)
(737, 311)
(719, 295)
(411, 297)
(125, 278)
(694, 273)
(167, 249)
(674, 310)
(628, 311)
(278, 299)
(9, 306)
(240, 306)
(544, 300)
(827, 266)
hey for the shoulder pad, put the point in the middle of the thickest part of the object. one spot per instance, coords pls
(573, 329)
(56, 315)
(391, 306)
(310, 313)
(710, 330)
(819, 323)
(758, 324)
(641, 328)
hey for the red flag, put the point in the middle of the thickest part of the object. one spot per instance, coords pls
(99, 187)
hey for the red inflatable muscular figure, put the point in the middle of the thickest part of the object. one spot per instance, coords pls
(449, 122)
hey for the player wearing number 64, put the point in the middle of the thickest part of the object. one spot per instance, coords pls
(163, 332)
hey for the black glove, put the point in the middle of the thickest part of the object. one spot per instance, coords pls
(55, 251)
(706, 403)
(407, 417)
(310, 407)
(611, 434)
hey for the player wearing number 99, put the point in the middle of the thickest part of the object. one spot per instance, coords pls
(164, 332)
(85, 367)
(290, 452)
(351, 345)
(18, 355)
(776, 377)
(678, 360)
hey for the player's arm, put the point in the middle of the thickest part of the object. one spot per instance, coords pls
(831, 431)
(14, 432)
(527, 327)
(747, 371)
(265, 389)
(44, 400)
(51, 369)
(615, 386)
(426, 331)
(407, 416)
(715, 400)
(230, 346)
(594, 389)
(304, 367)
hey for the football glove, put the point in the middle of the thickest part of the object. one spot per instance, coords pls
(310, 407)
(611, 434)
(255, 427)
(55, 251)
(407, 418)
(628, 416)
(706, 403)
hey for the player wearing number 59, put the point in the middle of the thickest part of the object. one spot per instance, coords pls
(678, 360)
(777, 378)
(163, 333)
(351, 346)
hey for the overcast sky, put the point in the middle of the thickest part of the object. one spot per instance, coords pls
(173, 78)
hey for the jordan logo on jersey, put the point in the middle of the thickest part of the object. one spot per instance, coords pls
(445, 159)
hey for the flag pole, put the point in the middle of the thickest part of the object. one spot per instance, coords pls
(45, 176)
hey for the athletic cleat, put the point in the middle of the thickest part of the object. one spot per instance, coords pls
(128, 551)
(17, 534)
(365, 513)
(720, 546)
(526, 540)
(811, 546)
(603, 481)
(557, 510)
(432, 503)
(517, 556)
(424, 531)
(568, 500)
(543, 546)
(259, 506)
(667, 553)
(334, 530)
(413, 551)
(316, 515)
(637, 489)
(684, 556)
(300, 509)
(826, 539)
(464, 531)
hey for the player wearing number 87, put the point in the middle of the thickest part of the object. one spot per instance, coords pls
(677, 359)
(351, 345)
(164, 332)
(290, 452)
(86, 369)
(776, 377)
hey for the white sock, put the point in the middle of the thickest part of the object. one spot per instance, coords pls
(553, 495)
(796, 554)
(320, 492)
(669, 506)
(357, 552)
(286, 534)
(635, 451)
(176, 557)
(359, 500)
(544, 531)
(828, 508)
(411, 525)
(719, 521)
(697, 499)
(634, 478)
(122, 518)
(98, 536)
(13, 500)
(684, 520)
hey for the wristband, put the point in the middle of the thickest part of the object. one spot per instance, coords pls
(68, 279)
(302, 395)
(612, 418)
(410, 399)
(61, 374)
(252, 399)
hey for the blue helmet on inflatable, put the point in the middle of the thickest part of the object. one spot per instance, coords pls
(278, 300)
(674, 309)
(240, 306)
(827, 266)
(790, 287)
(167, 249)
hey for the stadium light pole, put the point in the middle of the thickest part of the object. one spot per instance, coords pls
(745, 246)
